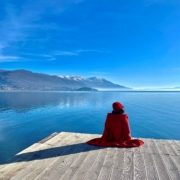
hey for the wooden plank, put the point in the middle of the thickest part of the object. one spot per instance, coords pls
(93, 172)
(61, 164)
(168, 161)
(75, 165)
(118, 163)
(70, 142)
(49, 137)
(106, 170)
(139, 165)
(174, 154)
(150, 167)
(86, 164)
(178, 143)
(38, 166)
(160, 166)
(175, 145)
(128, 168)
(157, 159)
(12, 169)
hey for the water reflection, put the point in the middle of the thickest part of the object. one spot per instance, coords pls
(24, 101)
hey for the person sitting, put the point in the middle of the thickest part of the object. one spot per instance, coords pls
(116, 131)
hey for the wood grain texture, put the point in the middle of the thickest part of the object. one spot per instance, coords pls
(128, 168)
(149, 163)
(106, 169)
(168, 160)
(75, 165)
(86, 164)
(10, 170)
(160, 162)
(66, 156)
(139, 165)
(57, 167)
(93, 172)
(36, 167)
(174, 155)
(118, 162)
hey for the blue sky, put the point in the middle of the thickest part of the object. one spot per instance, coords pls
(133, 43)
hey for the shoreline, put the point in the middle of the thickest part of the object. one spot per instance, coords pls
(138, 91)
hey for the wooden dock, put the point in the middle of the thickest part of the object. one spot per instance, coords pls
(65, 156)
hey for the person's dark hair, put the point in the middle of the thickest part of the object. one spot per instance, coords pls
(120, 111)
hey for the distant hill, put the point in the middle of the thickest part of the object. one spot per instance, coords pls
(86, 89)
(27, 80)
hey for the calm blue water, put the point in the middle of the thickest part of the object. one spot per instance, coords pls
(26, 118)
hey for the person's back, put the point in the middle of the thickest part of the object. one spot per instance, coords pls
(116, 130)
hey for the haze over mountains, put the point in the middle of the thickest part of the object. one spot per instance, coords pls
(27, 80)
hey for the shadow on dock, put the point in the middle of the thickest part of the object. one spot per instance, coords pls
(53, 152)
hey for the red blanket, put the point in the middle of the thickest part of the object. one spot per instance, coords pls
(116, 133)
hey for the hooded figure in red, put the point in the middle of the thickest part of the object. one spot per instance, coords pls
(116, 132)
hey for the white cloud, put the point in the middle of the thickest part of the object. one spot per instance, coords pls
(19, 22)
(18, 25)
(6, 58)
(76, 52)
(66, 53)
(89, 51)
(35, 54)
(38, 55)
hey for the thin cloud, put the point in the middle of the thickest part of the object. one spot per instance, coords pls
(35, 54)
(30, 56)
(44, 26)
(6, 58)
(76, 52)
(89, 51)
(66, 53)
(19, 24)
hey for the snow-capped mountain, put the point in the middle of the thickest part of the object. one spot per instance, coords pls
(75, 78)
(27, 80)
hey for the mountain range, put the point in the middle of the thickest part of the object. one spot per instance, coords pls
(27, 80)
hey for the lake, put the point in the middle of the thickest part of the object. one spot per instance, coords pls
(27, 117)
